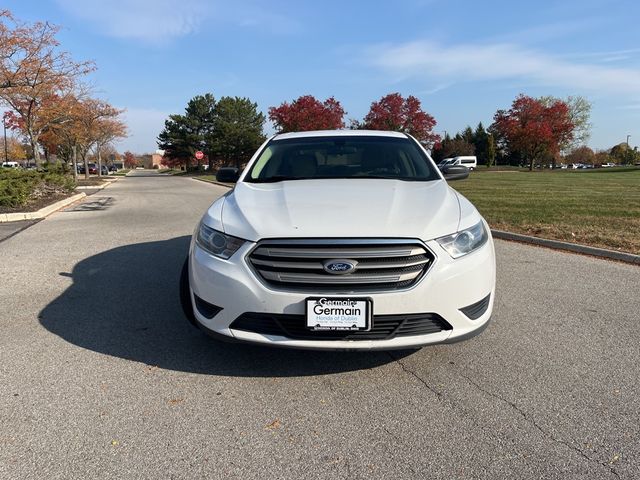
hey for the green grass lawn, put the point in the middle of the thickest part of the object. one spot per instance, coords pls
(597, 207)
(210, 179)
(206, 178)
(171, 171)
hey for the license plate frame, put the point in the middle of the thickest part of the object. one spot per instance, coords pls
(362, 322)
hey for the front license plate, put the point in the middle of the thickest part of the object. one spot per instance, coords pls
(339, 313)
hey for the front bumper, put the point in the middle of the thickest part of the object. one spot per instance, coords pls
(447, 287)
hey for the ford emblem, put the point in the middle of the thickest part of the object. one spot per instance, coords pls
(339, 267)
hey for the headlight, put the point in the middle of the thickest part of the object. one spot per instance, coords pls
(217, 243)
(465, 241)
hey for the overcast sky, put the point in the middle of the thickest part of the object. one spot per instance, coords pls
(463, 59)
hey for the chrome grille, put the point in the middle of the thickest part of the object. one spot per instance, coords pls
(380, 264)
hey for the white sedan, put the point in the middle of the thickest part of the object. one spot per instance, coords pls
(341, 240)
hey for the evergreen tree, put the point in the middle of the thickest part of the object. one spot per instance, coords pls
(237, 131)
(230, 129)
(480, 142)
(183, 135)
(467, 135)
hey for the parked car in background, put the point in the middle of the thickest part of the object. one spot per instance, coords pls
(445, 162)
(93, 169)
(10, 164)
(105, 170)
(608, 164)
(349, 240)
(113, 168)
(471, 162)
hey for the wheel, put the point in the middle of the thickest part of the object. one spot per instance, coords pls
(185, 295)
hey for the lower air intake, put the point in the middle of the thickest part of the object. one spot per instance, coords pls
(385, 327)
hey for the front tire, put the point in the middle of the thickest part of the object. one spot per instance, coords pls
(185, 294)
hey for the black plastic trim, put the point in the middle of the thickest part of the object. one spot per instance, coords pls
(476, 310)
(206, 309)
(384, 327)
(185, 294)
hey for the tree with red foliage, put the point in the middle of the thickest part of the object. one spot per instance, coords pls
(393, 112)
(534, 129)
(130, 160)
(307, 113)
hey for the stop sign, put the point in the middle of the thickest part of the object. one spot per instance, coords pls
(199, 155)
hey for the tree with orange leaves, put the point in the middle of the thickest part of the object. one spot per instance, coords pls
(36, 77)
(99, 124)
(130, 160)
(15, 150)
(89, 123)
(107, 130)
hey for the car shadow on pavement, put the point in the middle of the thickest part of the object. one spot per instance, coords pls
(124, 302)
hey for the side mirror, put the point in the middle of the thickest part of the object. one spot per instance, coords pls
(228, 175)
(455, 172)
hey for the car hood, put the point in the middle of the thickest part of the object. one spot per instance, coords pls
(338, 208)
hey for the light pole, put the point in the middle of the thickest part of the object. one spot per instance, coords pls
(4, 126)
(628, 136)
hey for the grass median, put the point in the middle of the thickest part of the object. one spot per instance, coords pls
(211, 179)
(599, 207)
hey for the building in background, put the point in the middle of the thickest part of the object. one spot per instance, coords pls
(155, 160)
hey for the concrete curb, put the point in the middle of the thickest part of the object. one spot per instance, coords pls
(43, 212)
(98, 187)
(569, 247)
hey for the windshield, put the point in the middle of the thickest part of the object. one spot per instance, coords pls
(342, 157)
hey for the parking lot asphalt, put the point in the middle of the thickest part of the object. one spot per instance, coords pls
(9, 229)
(102, 377)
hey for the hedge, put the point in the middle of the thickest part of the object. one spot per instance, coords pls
(18, 187)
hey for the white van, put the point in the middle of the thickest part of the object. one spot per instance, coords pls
(10, 164)
(471, 162)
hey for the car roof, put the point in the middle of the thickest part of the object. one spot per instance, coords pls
(340, 133)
